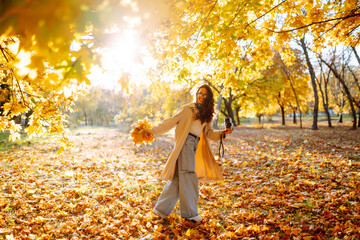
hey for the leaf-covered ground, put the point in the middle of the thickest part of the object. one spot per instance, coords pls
(281, 183)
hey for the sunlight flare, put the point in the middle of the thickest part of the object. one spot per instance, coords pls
(122, 56)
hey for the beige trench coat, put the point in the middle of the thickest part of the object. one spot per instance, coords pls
(206, 167)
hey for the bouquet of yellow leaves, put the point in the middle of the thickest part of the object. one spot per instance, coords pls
(140, 132)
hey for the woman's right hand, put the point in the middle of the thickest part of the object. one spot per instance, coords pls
(147, 133)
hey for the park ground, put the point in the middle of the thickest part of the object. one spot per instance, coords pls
(281, 182)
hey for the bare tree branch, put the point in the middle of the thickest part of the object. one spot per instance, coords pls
(356, 54)
(247, 25)
(355, 77)
(314, 23)
(3, 52)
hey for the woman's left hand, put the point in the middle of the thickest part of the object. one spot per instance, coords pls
(228, 131)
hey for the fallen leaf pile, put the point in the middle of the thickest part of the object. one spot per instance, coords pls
(281, 183)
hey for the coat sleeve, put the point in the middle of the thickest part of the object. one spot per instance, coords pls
(211, 133)
(167, 124)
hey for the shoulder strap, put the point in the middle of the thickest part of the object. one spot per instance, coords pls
(221, 147)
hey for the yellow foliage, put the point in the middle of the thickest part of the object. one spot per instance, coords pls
(38, 55)
(199, 40)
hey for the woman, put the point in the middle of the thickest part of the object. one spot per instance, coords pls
(191, 160)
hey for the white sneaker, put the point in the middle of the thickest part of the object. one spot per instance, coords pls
(196, 218)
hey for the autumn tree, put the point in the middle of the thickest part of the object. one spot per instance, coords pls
(292, 81)
(213, 39)
(37, 49)
(339, 72)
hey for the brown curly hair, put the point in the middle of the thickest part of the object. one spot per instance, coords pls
(206, 110)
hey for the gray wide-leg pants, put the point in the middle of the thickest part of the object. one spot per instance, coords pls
(184, 186)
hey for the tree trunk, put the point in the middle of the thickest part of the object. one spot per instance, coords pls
(328, 117)
(326, 107)
(293, 89)
(294, 116)
(86, 120)
(229, 110)
(340, 119)
(217, 111)
(228, 103)
(27, 119)
(324, 93)
(237, 110)
(357, 103)
(313, 83)
(282, 115)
